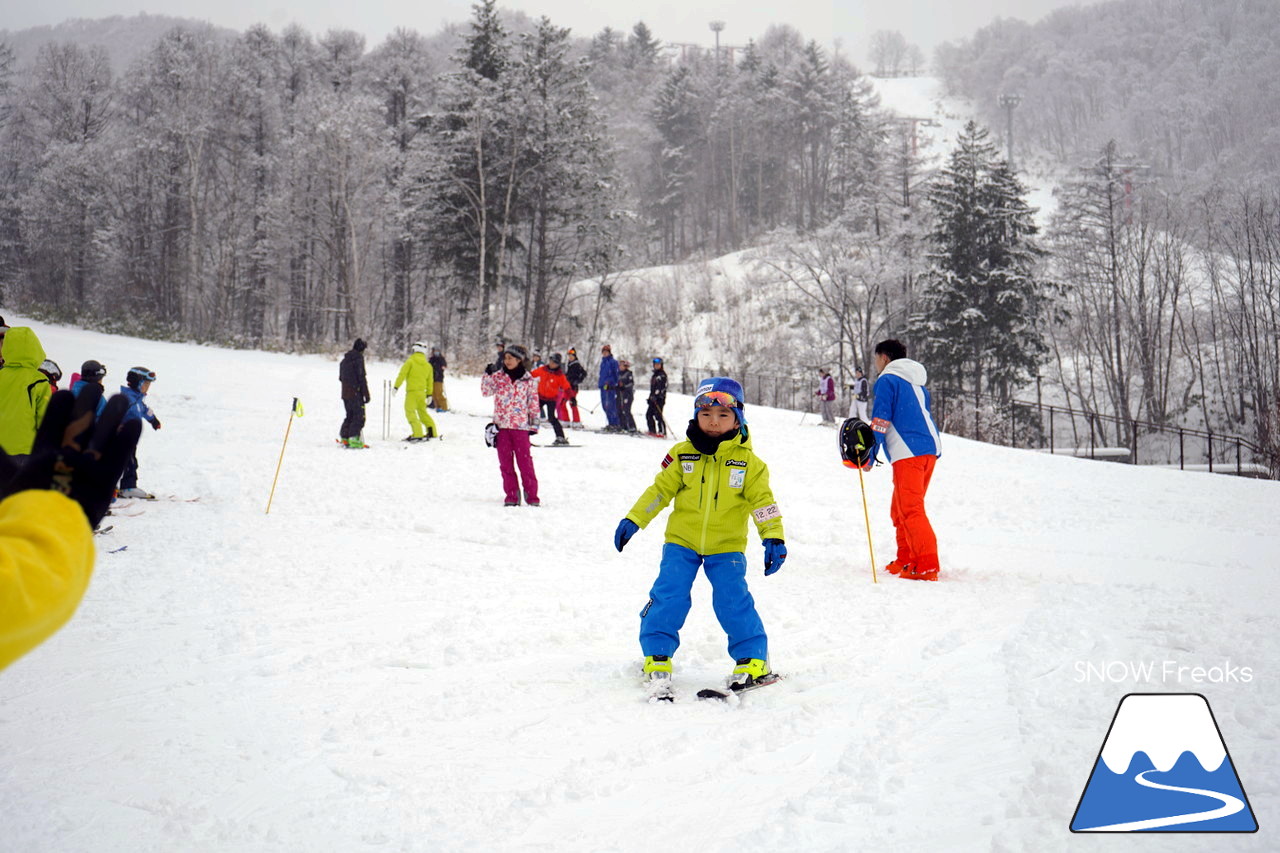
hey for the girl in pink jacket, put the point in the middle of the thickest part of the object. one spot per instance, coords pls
(515, 412)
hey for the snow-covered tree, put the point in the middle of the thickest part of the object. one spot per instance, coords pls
(981, 325)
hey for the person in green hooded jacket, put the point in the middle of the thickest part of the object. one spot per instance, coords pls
(24, 390)
(418, 377)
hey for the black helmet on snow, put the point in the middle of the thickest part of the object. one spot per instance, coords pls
(92, 370)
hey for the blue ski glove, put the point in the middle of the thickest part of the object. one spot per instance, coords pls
(626, 529)
(775, 553)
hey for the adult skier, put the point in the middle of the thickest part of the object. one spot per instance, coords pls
(438, 364)
(355, 394)
(904, 427)
(418, 377)
(608, 385)
(515, 413)
(826, 394)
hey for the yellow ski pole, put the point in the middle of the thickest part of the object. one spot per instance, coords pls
(295, 410)
(867, 516)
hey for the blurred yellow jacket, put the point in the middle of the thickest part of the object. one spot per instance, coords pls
(46, 558)
(24, 391)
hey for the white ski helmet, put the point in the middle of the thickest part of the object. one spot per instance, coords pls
(421, 346)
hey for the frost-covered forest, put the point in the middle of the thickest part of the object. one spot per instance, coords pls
(499, 178)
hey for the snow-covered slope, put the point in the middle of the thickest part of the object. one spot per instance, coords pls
(391, 660)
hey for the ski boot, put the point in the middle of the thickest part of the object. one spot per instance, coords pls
(560, 441)
(657, 674)
(912, 572)
(747, 672)
(355, 442)
(894, 567)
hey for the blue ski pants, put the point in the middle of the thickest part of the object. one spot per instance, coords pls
(669, 603)
(609, 402)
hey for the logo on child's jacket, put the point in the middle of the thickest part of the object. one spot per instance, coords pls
(1164, 767)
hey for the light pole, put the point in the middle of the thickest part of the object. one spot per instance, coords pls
(1009, 100)
(716, 27)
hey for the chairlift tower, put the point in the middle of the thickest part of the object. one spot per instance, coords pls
(1009, 100)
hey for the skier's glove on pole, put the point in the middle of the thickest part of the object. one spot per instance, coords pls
(775, 554)
(626, 529)
(75, 456)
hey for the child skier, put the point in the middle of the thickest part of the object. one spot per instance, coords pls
(139, 381)
(553, 387)
(515, 413)
(717, 482)
(418, 377)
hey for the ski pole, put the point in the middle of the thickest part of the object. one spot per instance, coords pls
(295, 410)
(867, 516)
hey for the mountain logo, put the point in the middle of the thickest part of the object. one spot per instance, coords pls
(1164, 767)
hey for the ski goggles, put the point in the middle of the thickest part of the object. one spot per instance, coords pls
(715, 398)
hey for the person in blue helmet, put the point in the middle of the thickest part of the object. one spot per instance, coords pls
(657, 399)
(138, 382)
(716, 482)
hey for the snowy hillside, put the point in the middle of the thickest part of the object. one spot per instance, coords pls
(391, 660)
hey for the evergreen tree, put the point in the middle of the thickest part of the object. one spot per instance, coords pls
(981, 326)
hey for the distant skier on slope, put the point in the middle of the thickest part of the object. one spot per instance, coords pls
(418, 377)
(553, 387)
(657, 399)
(607, 382)
(355, 394)
(903, 426)
(576, 374)
(626, 396)
(717, 483)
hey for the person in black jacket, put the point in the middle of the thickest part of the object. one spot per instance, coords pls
(355, 394)
(626, 394)
(657, 399)
(576, 374)
(438, 364)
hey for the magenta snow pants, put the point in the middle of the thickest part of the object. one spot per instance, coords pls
(513, 450)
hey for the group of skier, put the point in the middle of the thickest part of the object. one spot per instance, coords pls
(28, 381)
(422, 377)
(713, 477)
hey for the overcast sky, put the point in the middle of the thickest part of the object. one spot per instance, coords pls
(922, 22)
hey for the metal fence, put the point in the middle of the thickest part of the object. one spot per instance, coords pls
(1093, 435)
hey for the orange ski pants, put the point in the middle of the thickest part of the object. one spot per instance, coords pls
(916, 542)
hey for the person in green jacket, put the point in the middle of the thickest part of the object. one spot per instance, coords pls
(24, 390)
(716, 482)
(417, 375)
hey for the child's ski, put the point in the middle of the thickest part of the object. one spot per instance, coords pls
(133, 513)
(734, 690)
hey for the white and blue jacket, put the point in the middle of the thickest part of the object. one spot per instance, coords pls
(901, 416)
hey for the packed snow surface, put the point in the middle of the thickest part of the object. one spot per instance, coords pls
(392, 660)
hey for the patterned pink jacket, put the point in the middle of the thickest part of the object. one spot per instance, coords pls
(515, 404)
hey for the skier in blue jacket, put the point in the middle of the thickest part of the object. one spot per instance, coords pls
(139, 381)
(608, 384)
